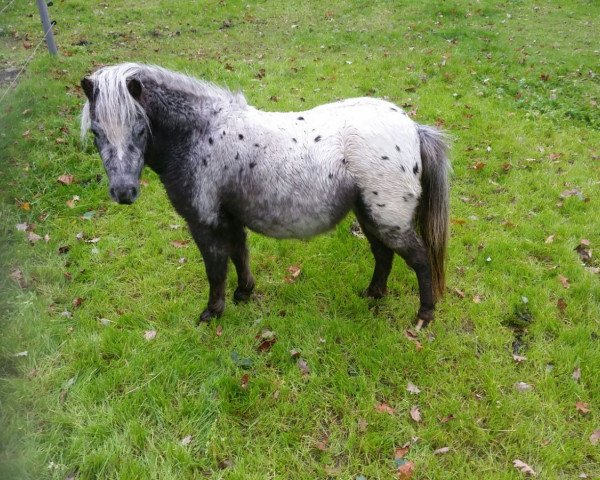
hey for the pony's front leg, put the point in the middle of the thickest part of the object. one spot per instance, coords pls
(213, 248)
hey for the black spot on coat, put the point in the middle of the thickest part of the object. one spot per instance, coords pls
(397, 148)
(240, 136)
(210, 140)
(300, 118)
(252, 164)
(416, 169)
(381, 204)
(385, 157)
(318, 138)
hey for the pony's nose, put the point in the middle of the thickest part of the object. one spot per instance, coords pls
(124, 194)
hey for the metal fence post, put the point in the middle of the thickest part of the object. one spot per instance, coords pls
(43, 8)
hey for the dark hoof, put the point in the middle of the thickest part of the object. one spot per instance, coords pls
(207, 315)
(374, 292)
(241, 296)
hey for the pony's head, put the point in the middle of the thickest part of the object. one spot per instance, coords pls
(120, 126)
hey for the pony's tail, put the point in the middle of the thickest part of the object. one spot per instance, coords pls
(434, 207)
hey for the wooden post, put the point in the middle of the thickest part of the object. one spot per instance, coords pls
(43, 8)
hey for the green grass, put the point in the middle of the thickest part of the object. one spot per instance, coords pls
(516, 85)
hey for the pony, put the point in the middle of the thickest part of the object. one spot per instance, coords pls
(227, 166)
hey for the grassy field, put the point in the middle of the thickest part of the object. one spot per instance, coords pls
(85, 390)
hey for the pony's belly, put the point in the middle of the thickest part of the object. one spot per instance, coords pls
(294, 228)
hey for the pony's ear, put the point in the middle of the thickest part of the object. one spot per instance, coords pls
(88, 87)
(135, 88)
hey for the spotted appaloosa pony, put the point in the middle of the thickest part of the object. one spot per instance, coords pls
(226, 165)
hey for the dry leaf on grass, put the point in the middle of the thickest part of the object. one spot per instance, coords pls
(385, 408)
(564, 281)
(303, 366)
(582, 407)
(294, 272)
(415, 414)
(412, 388)
(150, 334)
(219, 330)
(72, 201)
(524, 468)
(523, 387)
(185, 441)
(66, 179)
(441, 451)
(244, 381)
(405, 471)
(561, 304)
(595, 437)
(413, 338)
(180, 243)
(576, 374)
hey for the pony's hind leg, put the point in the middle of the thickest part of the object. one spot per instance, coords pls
(241, 260)
(410, 246)
(384, 257)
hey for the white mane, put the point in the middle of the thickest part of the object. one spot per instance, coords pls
(117, 110)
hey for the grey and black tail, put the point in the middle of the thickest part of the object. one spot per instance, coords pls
(434, 208)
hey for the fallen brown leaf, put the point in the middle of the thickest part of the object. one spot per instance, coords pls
(185, 441)
(150, 334)
(519, 358)
(550, 239)
(561, 304)
(582, 408)
(267, 339)
(413, 338)
(415, 414)
(385, 408)
(33, 237)
(219, 330)
(401, 452)
(180, 243)
(77, 302)
(293, 273)
(303, 366)
(523, 387)
(447, 418)
(72, 201)
(322, 444)
(405, 471)
(478, 166)
(524, 468)
(16, 275)
(441, 451)
(66, 179)
(584, 251)
(244, 381)
(459, 293)
(595, 437)
(362, 425)
(576, 374)
(412, 388)
(564, 281)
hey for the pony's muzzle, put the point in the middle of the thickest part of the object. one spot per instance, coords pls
(124, 193)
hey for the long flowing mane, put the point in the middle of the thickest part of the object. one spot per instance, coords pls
(116, 109)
